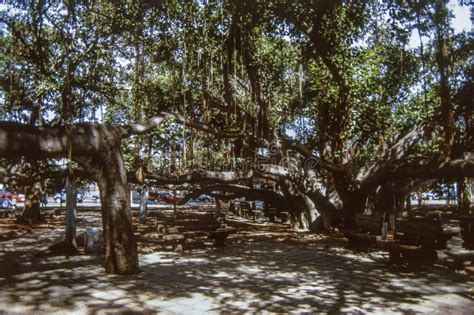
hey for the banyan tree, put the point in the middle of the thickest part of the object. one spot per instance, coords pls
(325, 100)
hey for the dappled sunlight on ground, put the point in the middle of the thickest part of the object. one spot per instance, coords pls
(257, 271)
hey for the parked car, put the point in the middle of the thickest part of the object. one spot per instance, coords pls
(61, 196)
(152, 199)
(15, 197)
(259, 204)
(5, 194)
(7, 206)
(163, 196)
(95, 197)
(204, 198)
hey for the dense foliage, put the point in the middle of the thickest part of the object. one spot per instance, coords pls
(339, 78)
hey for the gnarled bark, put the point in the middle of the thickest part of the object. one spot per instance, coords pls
(107, 169)
(97, 149)
(71, 203)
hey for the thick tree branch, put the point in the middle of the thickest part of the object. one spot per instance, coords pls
(306, 153)
(247, 192)
(454, 169)
(48, 142)
(395, 153)
(21, 179)
(144, 127)
(202, 177)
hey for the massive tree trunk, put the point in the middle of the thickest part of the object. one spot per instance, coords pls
(464, 196)
(344, 195)
(71, 203)
(353, 202)
(312, 214)
(97, 149)
(441, 21)
(68, 246)
(107, 169)
(390, 199)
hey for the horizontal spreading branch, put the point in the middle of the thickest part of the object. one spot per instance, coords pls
(22, 179)
(84, 139)
(454, 169)
(202, 177)
(243, 191)
(198, 192)
(144, 127)
(39, 142)
(320, 163)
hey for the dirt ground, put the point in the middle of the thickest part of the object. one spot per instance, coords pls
(264, 267)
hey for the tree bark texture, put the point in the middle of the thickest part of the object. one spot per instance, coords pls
(97, 149)
(71, 205)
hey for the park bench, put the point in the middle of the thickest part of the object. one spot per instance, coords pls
(423, 231)
(252, 212)
(368, 234)
(246, 209)
(367, 230)
(271, 213)
(235, 207)
(188, 227)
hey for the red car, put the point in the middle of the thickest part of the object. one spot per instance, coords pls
(12, 196)
(162, 196)
(5, 194)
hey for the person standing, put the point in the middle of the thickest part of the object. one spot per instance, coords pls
(44, 199)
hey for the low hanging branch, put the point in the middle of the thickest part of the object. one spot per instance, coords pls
(86, 138)
(21, 179)
(453, 169)
(202, 177)
(238, 191)
(271, 172)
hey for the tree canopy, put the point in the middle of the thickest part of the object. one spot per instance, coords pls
(327, 100)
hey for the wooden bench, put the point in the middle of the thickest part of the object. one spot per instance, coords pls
(423, 231)
(271, 213)
(240, 208)
(234, 207)
(368, 234)
(368, 228)
(412, 255)
(186, 227)
(245, 209)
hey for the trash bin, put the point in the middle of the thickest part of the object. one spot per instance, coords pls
(93, 241)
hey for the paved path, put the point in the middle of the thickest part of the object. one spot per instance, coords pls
(248, 276)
